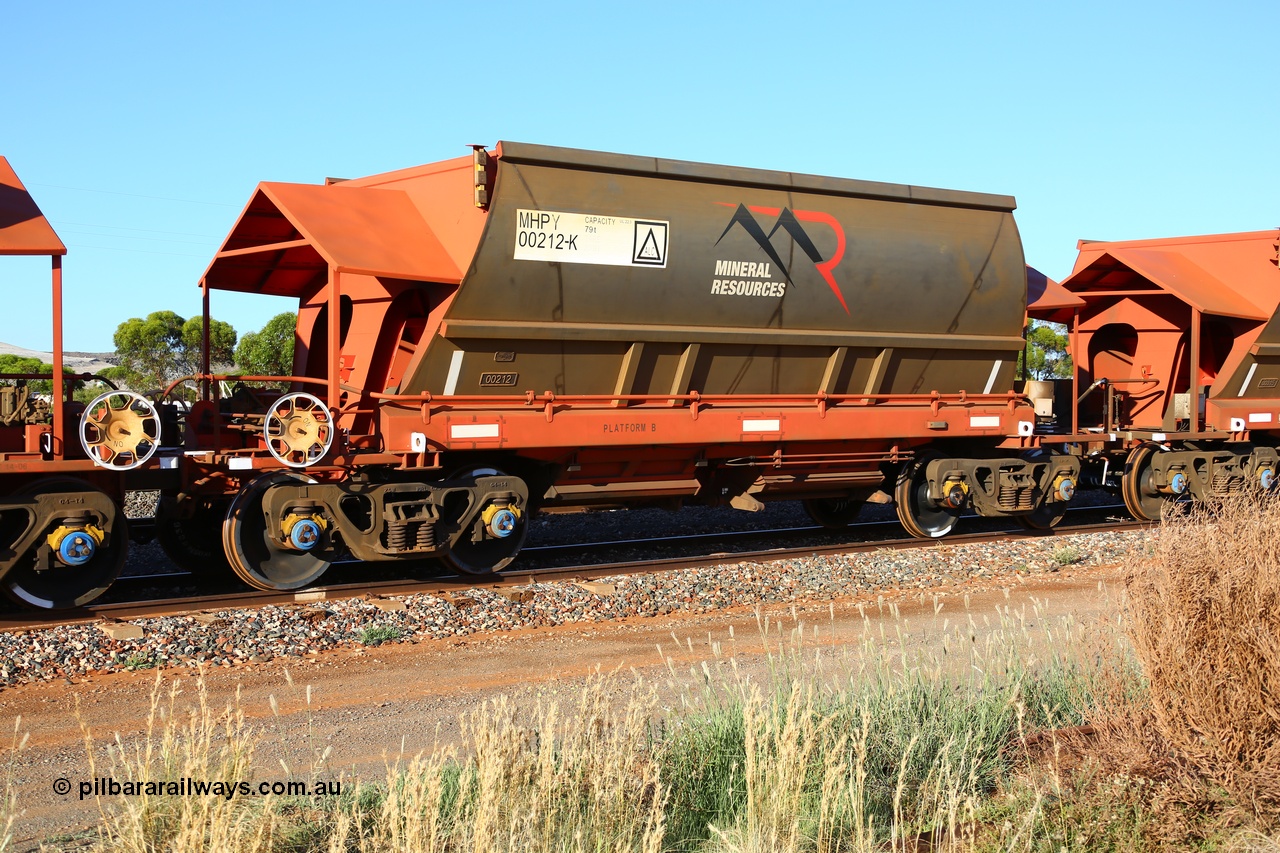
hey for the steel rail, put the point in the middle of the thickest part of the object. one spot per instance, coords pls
(677, 537)
(451, 585)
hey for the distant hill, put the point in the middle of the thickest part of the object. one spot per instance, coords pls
(80, 362)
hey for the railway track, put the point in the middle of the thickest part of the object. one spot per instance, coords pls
(449, 585)
(724, 542)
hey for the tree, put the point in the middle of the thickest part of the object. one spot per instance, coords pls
(222, 344)
(10, 363)
(269, 352)
(1046, 352)
(163, 347)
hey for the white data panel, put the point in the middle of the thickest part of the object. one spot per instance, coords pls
(580, 238)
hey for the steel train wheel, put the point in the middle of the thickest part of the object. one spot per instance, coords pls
(1044, 517)
(1137, 484)
(920, 516)
(62, 586)
(490, 554)
(195, 544)
(833, 513)
(253, 554)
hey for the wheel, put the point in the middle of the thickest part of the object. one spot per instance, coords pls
(1044, 517)
(195, 544)
(70, 585)
(120, 430)
(253, 554)
(492, 553)
(1137, 486)
(298, 430)
(920, 516)
(833, 513)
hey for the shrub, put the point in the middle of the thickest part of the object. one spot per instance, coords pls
(1204, 617)
(1068, 556)
(376, 635)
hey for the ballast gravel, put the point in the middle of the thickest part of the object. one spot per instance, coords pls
(230, 637)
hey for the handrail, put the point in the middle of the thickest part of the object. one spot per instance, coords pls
(221, 377)
(66, 377)
(529, 398)
(696, 399)
(1102, 383)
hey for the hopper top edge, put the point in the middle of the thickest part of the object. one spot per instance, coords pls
(546, 155)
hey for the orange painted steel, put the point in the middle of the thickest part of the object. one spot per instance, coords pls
(23, 228)
(1154, 308)
(25, 231)
(378, 232)
(1048, 300)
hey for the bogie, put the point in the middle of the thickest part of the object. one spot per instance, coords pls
(65, 542)
(1156, 476)
(933, 489)
(284, 529)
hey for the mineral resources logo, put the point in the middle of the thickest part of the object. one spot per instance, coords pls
(746, 278)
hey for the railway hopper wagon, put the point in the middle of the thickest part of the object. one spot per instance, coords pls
(530, 328)
(64, 466)
(1176, 345)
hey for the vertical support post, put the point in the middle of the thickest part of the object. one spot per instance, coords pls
(835, 366)
(335, 335)
(1195, 370)
(879, 370)
(1075, 372)
(59, 387)
(1026, 350)
(684, 371)
(205, 367)
(627, 374)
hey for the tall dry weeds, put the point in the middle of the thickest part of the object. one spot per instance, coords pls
(210, 745)
(9, 810)
(1204, 617)
(544, 778)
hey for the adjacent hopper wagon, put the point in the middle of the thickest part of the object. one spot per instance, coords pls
(63, 464)
(1177, 361)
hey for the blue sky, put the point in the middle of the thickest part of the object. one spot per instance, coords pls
(142, 128)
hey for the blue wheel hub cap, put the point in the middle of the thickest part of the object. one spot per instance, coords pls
(1266, 478)
(77, 548)
(1178, 483)
(1067, 489)
(503, 523)
(305, 534)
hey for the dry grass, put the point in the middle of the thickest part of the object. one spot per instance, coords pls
(892, 745)
(9, 809)
(181, 742)
(897, 744)
(1204, 617)
(542, 780)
